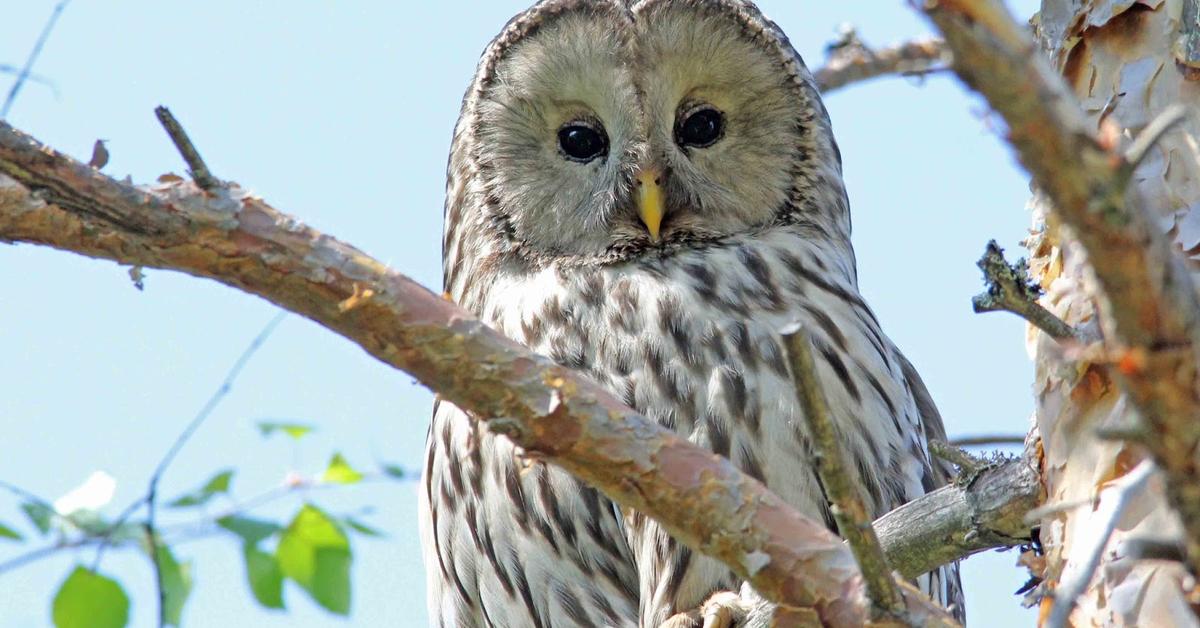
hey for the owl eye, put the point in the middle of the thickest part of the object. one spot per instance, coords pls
(700, 127)
(582, 141)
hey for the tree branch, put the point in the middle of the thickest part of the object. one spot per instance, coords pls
(988, 440)
(845, 499)
(981, 511)
(849, 60)
(231, 236)
(196, 166)
(1009, 290)
(1148, 307)
(24, 74)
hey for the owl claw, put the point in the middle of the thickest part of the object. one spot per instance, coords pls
(689, 619)
(726, 609)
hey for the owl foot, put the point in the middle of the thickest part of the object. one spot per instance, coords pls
(726, 609)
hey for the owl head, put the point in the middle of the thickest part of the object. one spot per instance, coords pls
(602, 131)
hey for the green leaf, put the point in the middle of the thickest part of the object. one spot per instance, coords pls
(91, 522)
(295, 430)
(176, 584)
(252, 531)
(218, 483)
(9, 533)
(340, 472)
(362, 528)
(315, 553)
(39, 514)
(331, 580)
(87, 599)
(395, 472)
(266, 579)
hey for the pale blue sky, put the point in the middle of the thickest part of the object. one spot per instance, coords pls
(340, 113)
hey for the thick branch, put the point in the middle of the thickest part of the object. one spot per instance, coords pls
(984, 510)
(1149, 307)
(231, 236)
(851, 61)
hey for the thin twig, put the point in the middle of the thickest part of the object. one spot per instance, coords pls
(188, 530)
(966, 463)
(849, 61)
(196, 166)
(1163, 122)
(33, 55)
(153, 542)
(1074, 581)
(31, 77)
(218, 395)
(845, 499)
(21, 560)
(24, 494)
(1009, 290)
(39, 501)
(107, 535)
(268, 497)
(215, 399)
(988, 440)
(1034, 516)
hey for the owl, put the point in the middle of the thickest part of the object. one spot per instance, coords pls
(648, 192)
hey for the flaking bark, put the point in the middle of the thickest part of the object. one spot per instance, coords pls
(1110, 219)
(1150, 311)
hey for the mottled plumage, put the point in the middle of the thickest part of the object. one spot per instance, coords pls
(579, 109)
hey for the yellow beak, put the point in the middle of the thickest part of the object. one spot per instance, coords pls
(650, 202)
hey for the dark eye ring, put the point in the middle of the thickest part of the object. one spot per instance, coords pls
(582, 140)
(700, 127)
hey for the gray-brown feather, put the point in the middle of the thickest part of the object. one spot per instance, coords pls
(685, 330)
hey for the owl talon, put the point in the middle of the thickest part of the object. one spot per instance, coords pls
(724, 609)
(689, 619)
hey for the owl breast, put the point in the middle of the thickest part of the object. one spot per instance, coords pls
(691, 340)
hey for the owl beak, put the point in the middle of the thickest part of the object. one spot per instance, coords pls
(650, 201)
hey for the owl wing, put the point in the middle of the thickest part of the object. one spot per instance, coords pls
(931, 420)
(945, 581)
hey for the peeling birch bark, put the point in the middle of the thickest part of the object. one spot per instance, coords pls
(1116, 56)
(1115, 244)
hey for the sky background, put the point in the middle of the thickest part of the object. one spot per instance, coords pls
(340, 113)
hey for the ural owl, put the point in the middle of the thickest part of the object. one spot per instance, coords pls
(648, 192)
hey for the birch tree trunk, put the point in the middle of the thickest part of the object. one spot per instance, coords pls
(1120, 59)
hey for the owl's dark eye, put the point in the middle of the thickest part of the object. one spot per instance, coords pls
(582, 141)
(700, 127)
